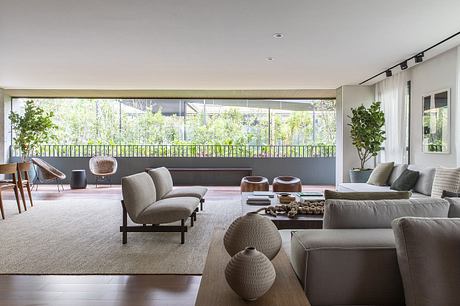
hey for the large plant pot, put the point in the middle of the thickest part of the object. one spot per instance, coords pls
(360, 176)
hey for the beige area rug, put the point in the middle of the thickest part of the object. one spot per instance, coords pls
(82, 237)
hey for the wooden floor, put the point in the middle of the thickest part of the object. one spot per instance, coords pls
(130, 290)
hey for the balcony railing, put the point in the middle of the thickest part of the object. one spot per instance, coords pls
(189, 150)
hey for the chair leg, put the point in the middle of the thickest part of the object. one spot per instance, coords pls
(1, 207)
(125, 224)
(16, 194)
(30, 194)
(21, 190)
(194, 213)
(191, 219)
(201, 203)
(182, 232)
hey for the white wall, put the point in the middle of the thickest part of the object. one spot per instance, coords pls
(347, 97)
(440, 72)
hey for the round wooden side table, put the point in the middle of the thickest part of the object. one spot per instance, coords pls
(287, 184)
(254, 183)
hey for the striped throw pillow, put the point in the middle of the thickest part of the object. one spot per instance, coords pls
(445, 179)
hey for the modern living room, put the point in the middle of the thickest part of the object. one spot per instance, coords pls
(229, 153)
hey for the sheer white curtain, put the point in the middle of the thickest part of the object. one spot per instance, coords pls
(392, 92)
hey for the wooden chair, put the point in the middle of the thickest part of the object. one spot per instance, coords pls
(9, 169)
(24, 180)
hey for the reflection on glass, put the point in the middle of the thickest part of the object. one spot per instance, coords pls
(436, 134)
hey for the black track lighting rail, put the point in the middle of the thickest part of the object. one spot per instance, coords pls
(412, 57)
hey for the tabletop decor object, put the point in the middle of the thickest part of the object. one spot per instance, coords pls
(250, 274)
(295, 208)
(254, 230)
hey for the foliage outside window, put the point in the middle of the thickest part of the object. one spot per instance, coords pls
(161, 121)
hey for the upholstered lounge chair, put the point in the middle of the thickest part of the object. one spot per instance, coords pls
(103, 167)
(140, 203)
(47, 173)
(165, 189)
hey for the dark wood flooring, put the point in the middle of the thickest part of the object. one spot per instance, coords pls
(104, 290)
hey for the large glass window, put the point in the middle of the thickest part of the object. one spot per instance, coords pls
(127, 126)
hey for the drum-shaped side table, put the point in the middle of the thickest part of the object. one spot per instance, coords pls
(78, 179)
(254, 183)
(287, 184)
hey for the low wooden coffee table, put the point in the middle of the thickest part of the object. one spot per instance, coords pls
(283, 221)
(214, 290)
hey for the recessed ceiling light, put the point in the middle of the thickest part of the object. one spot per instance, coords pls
(278, 35)
(270, 58)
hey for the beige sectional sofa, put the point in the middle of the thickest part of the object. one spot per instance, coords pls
(422, 188)
(353, 260)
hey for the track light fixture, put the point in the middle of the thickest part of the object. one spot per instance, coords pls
(419, 57)
(403, 65)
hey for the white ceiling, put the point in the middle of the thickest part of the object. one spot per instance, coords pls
(213, 44)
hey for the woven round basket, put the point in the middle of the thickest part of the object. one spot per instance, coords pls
(250, 274)
(253, 230)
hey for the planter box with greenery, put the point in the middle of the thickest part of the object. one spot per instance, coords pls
(368, 136)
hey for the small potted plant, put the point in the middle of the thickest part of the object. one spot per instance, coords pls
(31, 129)
(368, 136)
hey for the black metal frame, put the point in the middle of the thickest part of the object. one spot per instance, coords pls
(201, 204)
(182, 228)
(104, 178)
(37, 180)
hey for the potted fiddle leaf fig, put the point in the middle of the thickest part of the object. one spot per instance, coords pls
(368, 136)
(31, 129)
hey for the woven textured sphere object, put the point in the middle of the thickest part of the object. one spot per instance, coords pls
(253, 230)
(250, 274)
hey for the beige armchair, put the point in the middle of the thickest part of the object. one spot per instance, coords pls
(165, 189)
(141, 205)
(103, 167)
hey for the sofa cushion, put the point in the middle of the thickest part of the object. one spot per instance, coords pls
(162, 180)
(449, 194)
(347, 267)
(425, 180)
(406, 181)
(428, 253)
(445, 179)
(194, 191)
(396, 172)
(380, 174)
(362, 187)
(138, 193)
(343, 214)
(386, 195)
(168, 210)
(454, 209)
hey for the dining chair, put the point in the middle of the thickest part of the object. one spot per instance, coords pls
(10, 169)
(24, 180)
